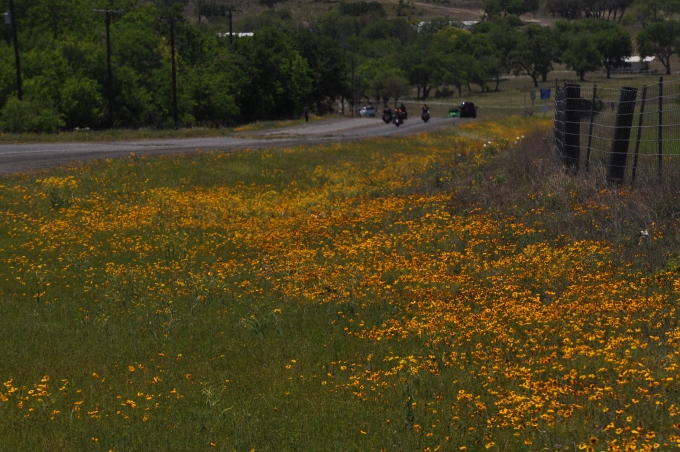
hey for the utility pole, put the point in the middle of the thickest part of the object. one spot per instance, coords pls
(17, 60)
(231, 11)
(174, 71)
(109, 71)
(172, 22)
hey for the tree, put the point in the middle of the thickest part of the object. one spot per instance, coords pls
(584, 39)
(614, 44)
(647, 12)
(369, 76)
(362, 8)
(605, 9)
(423, 64)
(33, 115)
(391, 84)
(141, 76)
(7, 73)
(536, 52)
(566, 9)
(278, 80)
(57, 17)
(435, 25)
(456, 73)
(328, 68)
(661, 39)
(583, 55)
(396, 30)
(492, 44)
(593, 9)
(271, 18)
(504, 7)
(337, 26)
(351, 18)
(211, 91)
(82, 102)
(271, 3)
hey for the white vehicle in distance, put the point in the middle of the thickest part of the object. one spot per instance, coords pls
(368, 111)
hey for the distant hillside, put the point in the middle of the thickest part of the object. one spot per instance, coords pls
(249, 13)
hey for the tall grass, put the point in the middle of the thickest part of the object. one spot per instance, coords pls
(451, 291)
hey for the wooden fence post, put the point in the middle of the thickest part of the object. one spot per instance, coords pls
(624, 123)
(660, 132)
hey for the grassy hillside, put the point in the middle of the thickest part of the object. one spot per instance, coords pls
(306, 11)
(451, 291)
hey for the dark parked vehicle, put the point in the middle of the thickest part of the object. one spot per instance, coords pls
(465, 110)
(468, 110)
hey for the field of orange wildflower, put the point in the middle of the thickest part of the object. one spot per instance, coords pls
(343, 297)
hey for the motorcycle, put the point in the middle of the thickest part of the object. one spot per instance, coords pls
(398, 117)
(425, 116)
(404, 113)
(387, 116)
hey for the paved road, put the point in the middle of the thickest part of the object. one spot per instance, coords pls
(35, 156)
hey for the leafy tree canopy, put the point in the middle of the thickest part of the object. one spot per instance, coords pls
(647, 12)
(514, 7)
(660, 39)
(362, 8)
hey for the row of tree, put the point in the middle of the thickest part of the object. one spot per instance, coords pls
(166, 66)
(65, 82)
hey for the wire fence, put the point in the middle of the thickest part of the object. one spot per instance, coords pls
(632, 134)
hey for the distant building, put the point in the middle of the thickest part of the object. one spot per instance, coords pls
(638, 64)
(236, 35)
(465, 25)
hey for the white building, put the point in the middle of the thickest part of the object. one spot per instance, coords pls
(638, 64)
(236, 35)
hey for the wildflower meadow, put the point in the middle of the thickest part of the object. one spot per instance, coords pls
(372, 295)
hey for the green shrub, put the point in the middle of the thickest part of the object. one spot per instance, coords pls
(81, 102)
(29, 115)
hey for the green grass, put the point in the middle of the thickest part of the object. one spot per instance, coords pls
(239, 291)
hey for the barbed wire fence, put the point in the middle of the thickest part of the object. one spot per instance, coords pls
(633, 134)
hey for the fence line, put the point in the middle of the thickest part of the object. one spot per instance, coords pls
(609, 124)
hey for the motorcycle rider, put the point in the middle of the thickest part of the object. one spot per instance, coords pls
(425, 115)
(387, 114)
(398, 116)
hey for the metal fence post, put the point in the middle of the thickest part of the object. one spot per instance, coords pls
(590, 127)
(639, 134)
(572, 127)
(660, 132)
(559, 121)
(624, 123)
